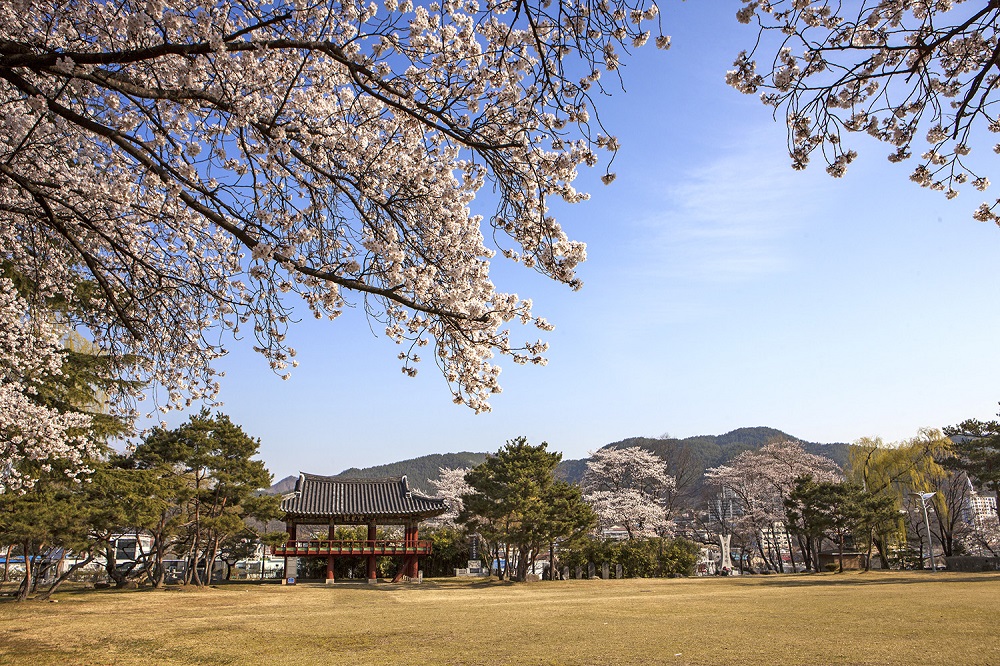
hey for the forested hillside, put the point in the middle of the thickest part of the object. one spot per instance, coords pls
(419, 471)
(686, 458)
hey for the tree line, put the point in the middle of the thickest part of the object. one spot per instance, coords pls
(191, 493)
(779, 508)
(779, 500)
(194, 493)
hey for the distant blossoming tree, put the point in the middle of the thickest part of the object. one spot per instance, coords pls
(760, 481)
(451, 485)
(901, 71)
(629, 487)
(193, 162)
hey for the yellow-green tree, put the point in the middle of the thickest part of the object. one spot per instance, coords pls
(894, 471)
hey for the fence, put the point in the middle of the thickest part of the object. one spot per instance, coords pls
(970, 563)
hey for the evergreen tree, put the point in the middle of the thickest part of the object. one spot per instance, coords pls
(834, 510)
(211, 483)
(518, 506)
(49, 518)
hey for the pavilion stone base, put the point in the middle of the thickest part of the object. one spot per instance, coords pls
(330, 581)
(292, 570)
(371, 581)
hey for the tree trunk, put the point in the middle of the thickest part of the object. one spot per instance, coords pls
(191, 576)
(186, 580)
(760, 549)
(883, 559)
(552, 560)
(111, 566)
(521, 573)
(159, 547)
(61, 579)
(6, 565)
(156, 574)
(28, 583)
(196, 546)
(791, 549)
(777, 547)
(195, 573)
(213, 554)
(805, 547)
(496, 558)
(841, 553)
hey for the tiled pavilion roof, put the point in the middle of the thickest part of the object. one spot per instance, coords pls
(348, 501)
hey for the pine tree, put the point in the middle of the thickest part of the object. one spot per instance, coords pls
(517, 505)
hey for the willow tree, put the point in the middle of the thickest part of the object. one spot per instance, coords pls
(895, 471)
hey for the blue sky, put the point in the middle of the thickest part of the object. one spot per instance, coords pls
(722, 290)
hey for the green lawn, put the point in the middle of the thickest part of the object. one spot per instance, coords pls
(853, 618)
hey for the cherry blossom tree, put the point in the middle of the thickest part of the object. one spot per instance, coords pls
(760, 481)
(185, 169)
(34, 437)
(629, 487)
(451, 485)
(905, 72)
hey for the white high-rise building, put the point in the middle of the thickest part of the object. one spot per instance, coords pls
(983, 509)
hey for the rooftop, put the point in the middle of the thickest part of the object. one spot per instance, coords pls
(358, 500)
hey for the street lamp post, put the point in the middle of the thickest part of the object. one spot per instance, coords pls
(924, 497)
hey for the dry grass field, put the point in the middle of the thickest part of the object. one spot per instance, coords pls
(854, 618)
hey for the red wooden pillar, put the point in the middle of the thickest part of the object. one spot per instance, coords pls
(329, 558)
(372, 574)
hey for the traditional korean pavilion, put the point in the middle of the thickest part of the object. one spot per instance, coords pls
(329, 501)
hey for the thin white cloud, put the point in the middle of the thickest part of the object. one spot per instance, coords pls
(730, 220)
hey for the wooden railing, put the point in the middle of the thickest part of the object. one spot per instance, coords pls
(351, 547)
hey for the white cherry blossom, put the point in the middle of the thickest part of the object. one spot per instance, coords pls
(190, 172)
(629, 487)
(897, 70)
(31, 432)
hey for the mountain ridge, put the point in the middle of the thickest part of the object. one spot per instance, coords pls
(687, 458)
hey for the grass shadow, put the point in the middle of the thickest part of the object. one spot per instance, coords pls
(860, 578)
